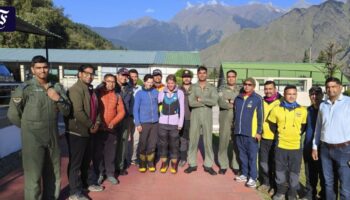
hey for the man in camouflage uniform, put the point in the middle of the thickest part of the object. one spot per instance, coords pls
(227, 95)
(202, 98)
(34, 107)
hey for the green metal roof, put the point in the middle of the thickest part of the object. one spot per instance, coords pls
(279, 69)
(177, 58)
(314, 67)
(103, 56)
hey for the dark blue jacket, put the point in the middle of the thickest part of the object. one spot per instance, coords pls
(146, 106)
(310, 127)
(126, 92)
(249, 115)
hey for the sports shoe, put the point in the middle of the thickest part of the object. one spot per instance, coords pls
(251, 183)
(100, 180)
(77, 196)
(263, 188)
(95, 188)
(278, 197)
(113, 180)
(241, 178)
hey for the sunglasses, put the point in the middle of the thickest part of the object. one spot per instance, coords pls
(247, 84)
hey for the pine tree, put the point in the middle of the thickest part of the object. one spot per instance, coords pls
(306, 58)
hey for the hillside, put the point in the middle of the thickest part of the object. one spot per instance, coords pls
(43, 14)
(193, 28)
(286, 38)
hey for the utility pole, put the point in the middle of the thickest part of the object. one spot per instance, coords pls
(311, 53)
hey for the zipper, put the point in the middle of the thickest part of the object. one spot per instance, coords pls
(240, 118)
(168, 112)
(149, 94)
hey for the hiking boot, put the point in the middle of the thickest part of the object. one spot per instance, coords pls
(150, 163)
(173, 167)
(164, 167)
(113, 180)
(251, 183)
(241, 178)
(143, 164)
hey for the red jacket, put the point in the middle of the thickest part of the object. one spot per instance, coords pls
(111, 107)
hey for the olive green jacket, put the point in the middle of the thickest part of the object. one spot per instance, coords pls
(226, 94)
(34, 112)
(79, 122)
(208, 96)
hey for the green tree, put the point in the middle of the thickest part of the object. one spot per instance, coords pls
(332, 63)
(178, 75)
(322, 57)
(306, 58)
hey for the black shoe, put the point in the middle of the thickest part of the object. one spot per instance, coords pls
(182, 163)
(222, 171)
(190, 169)
(123, 172)
(210, 170)
(236, 172)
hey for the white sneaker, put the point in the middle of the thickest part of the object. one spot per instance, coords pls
(251, 183)
(241, 178)
(95, 188)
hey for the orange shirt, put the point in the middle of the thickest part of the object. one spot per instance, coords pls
(111, 107)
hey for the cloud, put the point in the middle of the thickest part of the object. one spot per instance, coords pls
(189, 5)
(212, 2)
(149, 10)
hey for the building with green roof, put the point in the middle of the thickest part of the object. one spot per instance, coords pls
(108, 61)
(278, 69)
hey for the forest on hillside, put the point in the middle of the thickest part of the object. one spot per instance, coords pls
(45, 15)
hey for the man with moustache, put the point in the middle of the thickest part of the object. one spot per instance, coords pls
(332, 138)
(185, 131)
(227, 95)
(126, 92)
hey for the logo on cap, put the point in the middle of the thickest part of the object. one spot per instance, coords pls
(156, 72)
(186, 73)
(7, 19)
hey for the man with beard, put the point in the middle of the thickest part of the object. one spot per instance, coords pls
(82, 123)
(126, 92)
(267, 144)
(185, 131)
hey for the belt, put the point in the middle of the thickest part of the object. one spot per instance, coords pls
(340, 145)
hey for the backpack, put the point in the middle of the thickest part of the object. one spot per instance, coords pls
(171, 105)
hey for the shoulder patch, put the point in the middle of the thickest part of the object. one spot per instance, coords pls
(220, 94)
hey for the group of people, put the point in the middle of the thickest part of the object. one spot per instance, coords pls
(163, 122)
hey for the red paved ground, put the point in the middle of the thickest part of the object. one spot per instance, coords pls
(149, 186)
